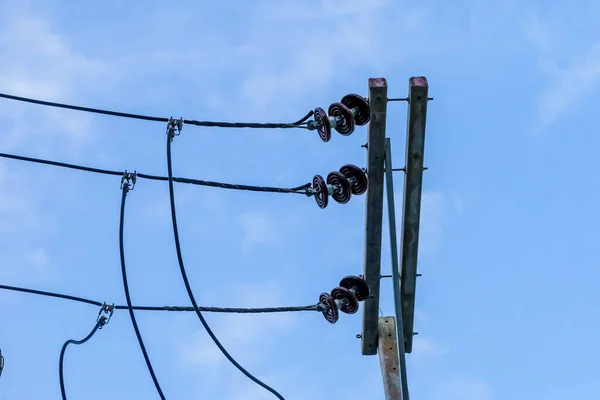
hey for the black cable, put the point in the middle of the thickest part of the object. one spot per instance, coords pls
(188, 288)
(234, 186)
(298, 190)
(264, 310)
(50, 294)
(60, 164)
(125, 190)
(235, 310)
(101, 321)
(297, 124)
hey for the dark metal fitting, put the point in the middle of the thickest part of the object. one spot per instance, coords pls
(312, 125)
(174, 127)
(128, 180)
(107, 310)
(398, 99)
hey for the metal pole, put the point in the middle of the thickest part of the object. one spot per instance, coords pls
(374, 213)
(395, 270)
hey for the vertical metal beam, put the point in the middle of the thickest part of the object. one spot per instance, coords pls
(388, 359)
(399, 331)
(374, 212)
(411, 211)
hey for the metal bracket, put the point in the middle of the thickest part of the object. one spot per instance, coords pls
(128, 180)
(174, 127)
(106, 309)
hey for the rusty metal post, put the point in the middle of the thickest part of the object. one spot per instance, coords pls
(411, 208)
(374, 212)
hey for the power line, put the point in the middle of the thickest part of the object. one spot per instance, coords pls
(340, 185)
(301, 123)
(226, 310)
(298, 190)
(100, 322)
(125, 187)
(170, 135)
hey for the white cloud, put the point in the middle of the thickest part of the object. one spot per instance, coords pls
(326, 43)
(570, 84)
(48, 70)
(570, 66)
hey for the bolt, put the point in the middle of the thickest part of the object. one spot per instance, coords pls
(358, 336)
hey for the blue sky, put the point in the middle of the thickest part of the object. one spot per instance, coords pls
(507, 302)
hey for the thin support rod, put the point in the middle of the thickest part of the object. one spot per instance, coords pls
(389, 183)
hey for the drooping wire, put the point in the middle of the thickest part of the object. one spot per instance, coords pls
(298, 190)
(235, 310)
(170, 136)
(125, 190)
(100, 322)
(51, 294)
(301, 123)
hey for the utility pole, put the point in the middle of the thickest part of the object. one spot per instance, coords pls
(391, 336)
(411, 207)
(374, 212)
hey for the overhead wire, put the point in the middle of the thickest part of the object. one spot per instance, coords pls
(99, 324)
(188, 288)
(225, 310)
(125, 190)
(301, 123)
(302, 189)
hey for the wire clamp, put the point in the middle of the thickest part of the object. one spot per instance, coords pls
(128, 180)
(107, 310)
(174, 127)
